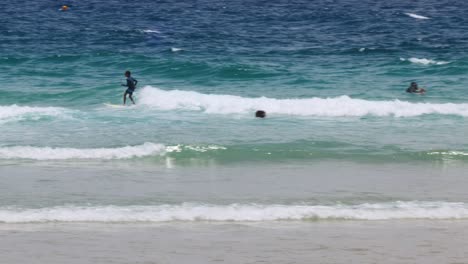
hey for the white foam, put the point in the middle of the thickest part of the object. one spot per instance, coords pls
(425, 61)
(146, 149)
(416, 16)
(449, 153)
(176, 49)
(335, 107)
(16, 113)
(48, 153)
(151, 31)
(237, 212)
(180, 148)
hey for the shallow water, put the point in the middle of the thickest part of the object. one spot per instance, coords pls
(324, 242)
(142, 192)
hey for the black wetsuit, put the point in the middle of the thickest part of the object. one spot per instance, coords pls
(131, 84)
(413, 89)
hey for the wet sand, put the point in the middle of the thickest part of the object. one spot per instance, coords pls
(417, 241)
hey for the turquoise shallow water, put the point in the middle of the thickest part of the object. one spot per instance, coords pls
(330, 75)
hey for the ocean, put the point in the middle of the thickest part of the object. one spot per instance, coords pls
(346, 164)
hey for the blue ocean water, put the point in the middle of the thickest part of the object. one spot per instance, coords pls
(331, 76)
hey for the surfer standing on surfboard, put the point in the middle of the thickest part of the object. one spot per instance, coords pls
(131, 84)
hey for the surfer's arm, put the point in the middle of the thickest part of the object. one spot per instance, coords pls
(128, 84)
(135, 82)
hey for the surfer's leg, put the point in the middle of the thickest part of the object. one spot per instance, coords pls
(124, 97)
(131, 98)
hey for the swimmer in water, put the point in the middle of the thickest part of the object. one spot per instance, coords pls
(413, 88)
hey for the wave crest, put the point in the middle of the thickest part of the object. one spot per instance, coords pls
(334, 107)
(48, 153)
(237, 212)
(17, 113)
(127, 152)
(425, 61)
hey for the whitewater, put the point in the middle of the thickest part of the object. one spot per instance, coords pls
(238, 212)
(181, 100)
(341, 106)
(10, 113)
(127, 152)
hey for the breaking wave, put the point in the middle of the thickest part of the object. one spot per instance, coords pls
(127, 152)
(17, 113)
(335, 107)
(448, 153)
(237, 212)
(425, 61)
(48, 153)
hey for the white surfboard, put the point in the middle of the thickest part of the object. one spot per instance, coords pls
(114, 105)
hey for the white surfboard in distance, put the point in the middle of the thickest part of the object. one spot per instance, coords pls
(416, 16)
(115, 105)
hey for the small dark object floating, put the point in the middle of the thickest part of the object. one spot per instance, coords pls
(260, 114)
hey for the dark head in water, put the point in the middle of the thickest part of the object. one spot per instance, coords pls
(414, 88)
(260, 114)
(128, 74)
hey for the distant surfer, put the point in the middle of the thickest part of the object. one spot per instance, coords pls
(413, 88)
(131, 84)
